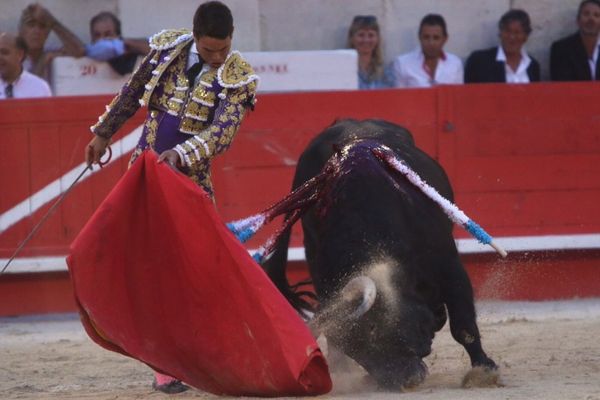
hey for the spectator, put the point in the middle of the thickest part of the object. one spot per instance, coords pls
(364, 36)
(508, 62)
(15, 82)
(575, 57)
(108, 45)
(35, 25)
(429, 65)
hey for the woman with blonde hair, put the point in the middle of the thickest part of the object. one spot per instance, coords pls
(364, 37)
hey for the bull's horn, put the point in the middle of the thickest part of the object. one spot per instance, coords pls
(363, 286)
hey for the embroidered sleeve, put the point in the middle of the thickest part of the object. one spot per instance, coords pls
(220, 133)
(126, 103)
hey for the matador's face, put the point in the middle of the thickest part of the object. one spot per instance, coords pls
(213, 51)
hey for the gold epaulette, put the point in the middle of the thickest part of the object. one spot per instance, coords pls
(169, 38)
(235, 72)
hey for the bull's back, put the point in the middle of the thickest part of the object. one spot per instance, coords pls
(323, 146)
(368, 211)
(332, 242)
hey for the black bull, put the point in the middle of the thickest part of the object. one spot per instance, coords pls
(370, 220)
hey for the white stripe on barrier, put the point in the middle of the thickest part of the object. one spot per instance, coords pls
(465, 246)
(54, 189)
(35, 264)
(533, 243)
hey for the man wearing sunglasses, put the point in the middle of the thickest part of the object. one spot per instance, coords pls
(15, 82)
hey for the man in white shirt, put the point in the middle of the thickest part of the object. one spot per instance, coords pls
(508, 62)
(429, 65)
(519, 73)
(15, 82)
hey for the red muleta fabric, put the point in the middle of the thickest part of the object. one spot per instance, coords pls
(158, 277)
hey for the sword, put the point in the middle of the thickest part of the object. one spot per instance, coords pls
(51, 210)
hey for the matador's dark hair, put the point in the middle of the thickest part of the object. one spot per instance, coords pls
(213, 19)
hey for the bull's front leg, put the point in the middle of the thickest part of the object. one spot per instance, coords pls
(458, 296)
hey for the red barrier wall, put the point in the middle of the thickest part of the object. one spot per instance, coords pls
(507, 149)
(523, 159)
(41, 140)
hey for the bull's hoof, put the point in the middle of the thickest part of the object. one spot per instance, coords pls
(482, 377)
(172, 387)
(416, 377)
(486, 363)
(411, 374)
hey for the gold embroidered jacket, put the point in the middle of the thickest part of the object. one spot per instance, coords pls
(210, 112)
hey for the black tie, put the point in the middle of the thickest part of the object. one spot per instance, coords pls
(193, 72)
(8, 91)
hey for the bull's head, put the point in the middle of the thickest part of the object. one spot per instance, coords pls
(383, 329)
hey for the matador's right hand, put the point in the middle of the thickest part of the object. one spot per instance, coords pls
(96, 149)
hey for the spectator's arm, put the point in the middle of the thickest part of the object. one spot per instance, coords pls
(389, 77)
(558, 69)
(73, 46)
(470, 70)
(459, 74)
(398, 75)
(137, 46)
(45, 90)
(535, 71)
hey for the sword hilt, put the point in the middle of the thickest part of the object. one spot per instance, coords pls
(103, 163)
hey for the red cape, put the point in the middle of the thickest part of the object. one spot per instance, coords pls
(158, 277)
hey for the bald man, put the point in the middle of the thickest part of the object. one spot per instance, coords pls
(15, 82)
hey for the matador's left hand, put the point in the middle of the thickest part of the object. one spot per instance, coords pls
(171, 157)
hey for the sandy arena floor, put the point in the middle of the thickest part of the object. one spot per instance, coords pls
(546, 350)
